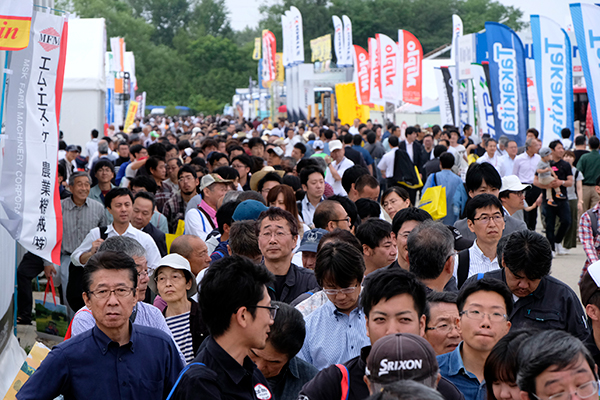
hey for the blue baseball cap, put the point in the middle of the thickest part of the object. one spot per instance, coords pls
(248, 210)
(310, 240)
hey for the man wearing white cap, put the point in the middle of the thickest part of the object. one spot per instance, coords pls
(201, 220)
(512, 196)
(337, 164)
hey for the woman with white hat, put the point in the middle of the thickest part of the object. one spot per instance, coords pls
(174, 282)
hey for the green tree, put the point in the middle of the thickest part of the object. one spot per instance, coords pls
(211, 17)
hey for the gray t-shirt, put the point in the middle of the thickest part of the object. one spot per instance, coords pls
(543, 165)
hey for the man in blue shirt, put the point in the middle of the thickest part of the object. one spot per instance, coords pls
(456, 195)
(115, 359)
(336, 331)
(484, 307)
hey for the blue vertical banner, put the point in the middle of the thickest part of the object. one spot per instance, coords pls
(508, 82)
(586, 24)
(481, 49)
(553, 77)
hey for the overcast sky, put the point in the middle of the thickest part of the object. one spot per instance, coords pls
(245, 12)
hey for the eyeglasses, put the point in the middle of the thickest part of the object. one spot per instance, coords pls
(119, 292)
(186, 178)
(278, 235)
(487, 218)
(272, 309)
(442, 328)
(583, 391)
(519, 193)
(479, 316)
(347, 219)
(143, 273)
(334, 292)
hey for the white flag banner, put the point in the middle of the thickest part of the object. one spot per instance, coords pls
(391, 79)
(348, 53)
(29, 183)
(444, 83)
(338, 40)
(485, 111)
(286, 40)
(298, 35)
(457, 31)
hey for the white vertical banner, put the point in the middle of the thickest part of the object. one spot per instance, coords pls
(338, 40)
(466, 56)
(444, 82)
(457, 31)
(298, 35)
(289, 36)
(347, 41)
(391, 80)
(375, 79)
(286, 40)
(29, 184)
(485, 111)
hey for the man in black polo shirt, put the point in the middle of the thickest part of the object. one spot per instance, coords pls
(543, 302)
(393, 301)
(277, 232)
(560, 209)
(236, 307)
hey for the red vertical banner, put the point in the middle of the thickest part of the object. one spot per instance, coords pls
(412, 65)
(375, 81)
(362, 66)
(269, 60)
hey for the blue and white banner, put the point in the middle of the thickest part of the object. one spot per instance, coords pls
(297, 37)
(466, 108)
(586, 23)
(508, 82)
(485, 110)
(553, 77)
(338, 40)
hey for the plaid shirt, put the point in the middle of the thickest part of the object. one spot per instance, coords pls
(174, 210)
(591, 244)
(164, 193)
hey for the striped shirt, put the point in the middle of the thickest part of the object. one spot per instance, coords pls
(180, 328)
(79, 221)
(478, 262)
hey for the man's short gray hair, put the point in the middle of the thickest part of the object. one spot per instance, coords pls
(123, 244)
(102, 147)
(430, 245)
(76, 175)
(528, 142)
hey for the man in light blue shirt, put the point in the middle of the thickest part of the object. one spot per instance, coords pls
(336, 331)
(484, 306)
(456, 195)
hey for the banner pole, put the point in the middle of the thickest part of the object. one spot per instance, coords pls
(16, 288)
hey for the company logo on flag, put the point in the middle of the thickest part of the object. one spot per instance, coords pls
(390, 79)
(508, 82)
(362, 68)
(412, 57)
(375, 92)
(15, 24)
(49, 39)
(485, 109)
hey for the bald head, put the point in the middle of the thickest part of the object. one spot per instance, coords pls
(193, 249)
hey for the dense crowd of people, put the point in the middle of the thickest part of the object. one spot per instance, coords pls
(206, 257)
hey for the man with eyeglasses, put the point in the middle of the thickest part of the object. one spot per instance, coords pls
(512, 196)
(483, 306)
(236, 307)
(277, 232)
(485, 216)
(554, 365)
(541, 301)
(174, 208)
(115, 359)
(335, 332)
(202, 219)
(441, 315)
(242, 164)
(331, 215)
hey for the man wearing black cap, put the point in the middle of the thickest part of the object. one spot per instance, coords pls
(589, 287)
(393, 301)
(404, 357)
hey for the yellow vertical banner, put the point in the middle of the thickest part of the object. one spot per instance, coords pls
(131, 111)
(280, 68)
(257, 47)
(321, 48)
(347, 104)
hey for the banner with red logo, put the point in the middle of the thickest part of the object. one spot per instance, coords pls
(362, 72)
(375, 80)
(391, 80)
(29, 186)
(15, 24)
(411, 54)
(269, 50)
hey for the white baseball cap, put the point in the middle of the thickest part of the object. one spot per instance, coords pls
(335, 145)
(513, 184)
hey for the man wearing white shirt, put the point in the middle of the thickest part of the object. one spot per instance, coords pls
(91, 147)
(119, 203)
(485, 216)
(491, 155)
(508, 160)
(337, 167)
(386, 164)
(354, 128)
(524, 168)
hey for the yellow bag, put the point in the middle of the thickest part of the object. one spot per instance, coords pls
(169, 237)
(434, 201)
(471, 158)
